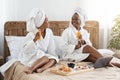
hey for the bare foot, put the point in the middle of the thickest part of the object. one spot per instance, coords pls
(28, 71)
(40, 70)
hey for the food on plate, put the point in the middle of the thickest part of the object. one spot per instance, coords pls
(71, 65)
(65, 69)
(82, 67)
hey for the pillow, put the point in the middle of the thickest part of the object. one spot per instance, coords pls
(58, 43)
(117, 54)
(106, 52)
(15, 44)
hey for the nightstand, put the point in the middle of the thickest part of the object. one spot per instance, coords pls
(1, 63)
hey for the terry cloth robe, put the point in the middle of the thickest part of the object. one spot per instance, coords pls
(68, 49)
(33, 51)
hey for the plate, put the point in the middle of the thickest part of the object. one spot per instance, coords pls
(76, 70)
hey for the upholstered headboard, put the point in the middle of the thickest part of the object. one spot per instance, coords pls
(18, 28)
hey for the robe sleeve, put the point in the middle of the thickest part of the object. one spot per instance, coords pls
(67, 47)
(86, 37)
(51, 48)
(29, 44)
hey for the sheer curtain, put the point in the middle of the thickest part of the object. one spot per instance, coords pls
(8, 11)
(2, 19)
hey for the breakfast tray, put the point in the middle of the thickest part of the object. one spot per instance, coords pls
(73, 71)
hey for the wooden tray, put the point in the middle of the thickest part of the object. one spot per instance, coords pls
(74, 71)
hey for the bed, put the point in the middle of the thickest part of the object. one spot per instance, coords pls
(15, 72)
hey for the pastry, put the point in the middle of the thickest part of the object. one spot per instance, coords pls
(65, 69)
(79, 35)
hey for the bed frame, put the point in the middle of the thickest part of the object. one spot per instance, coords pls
(18, 28)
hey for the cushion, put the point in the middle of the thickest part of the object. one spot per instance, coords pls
(106, 52)
(117, 54)
(102, 62)
(58, 42)
(15, 44)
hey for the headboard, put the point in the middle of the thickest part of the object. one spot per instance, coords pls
(18, 28)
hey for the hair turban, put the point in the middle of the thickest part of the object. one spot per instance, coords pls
(82, 16)
(36, 19)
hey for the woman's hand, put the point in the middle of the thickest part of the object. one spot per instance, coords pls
(37, 36)
(80, 43)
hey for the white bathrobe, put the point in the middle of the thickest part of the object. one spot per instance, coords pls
(35, 50)
(70, 39)
(32, 51)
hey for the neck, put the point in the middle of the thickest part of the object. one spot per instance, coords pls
(78, 28)
(42, 30)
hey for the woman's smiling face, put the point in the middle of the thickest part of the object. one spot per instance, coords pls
(76, 22)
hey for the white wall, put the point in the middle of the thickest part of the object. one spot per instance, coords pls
(55, 9)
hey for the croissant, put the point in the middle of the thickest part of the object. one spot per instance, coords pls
(65, 69)
(79, 35)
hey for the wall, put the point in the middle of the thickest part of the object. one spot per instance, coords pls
(55, 9)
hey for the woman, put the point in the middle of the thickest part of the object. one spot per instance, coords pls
(37, 53)
(77, 46)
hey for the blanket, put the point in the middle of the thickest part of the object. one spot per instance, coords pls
(16, 72)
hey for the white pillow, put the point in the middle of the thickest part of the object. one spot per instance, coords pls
(15, 44)
(106, 52)
(58, 42)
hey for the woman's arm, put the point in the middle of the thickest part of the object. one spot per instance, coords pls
(86, 38)
(51, 48)
(67, 46)
(29, 44)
